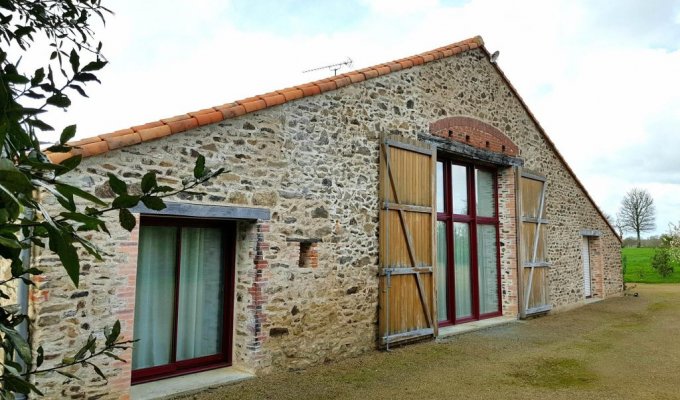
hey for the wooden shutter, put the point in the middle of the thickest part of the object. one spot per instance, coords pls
(533, 249)
(407, 250)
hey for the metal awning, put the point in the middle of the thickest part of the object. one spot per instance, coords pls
(206, 211)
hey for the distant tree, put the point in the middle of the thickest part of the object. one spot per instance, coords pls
(637, 213)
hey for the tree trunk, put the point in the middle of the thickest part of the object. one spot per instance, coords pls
(638, 239)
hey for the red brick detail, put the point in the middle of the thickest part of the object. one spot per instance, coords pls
(258, 297)
(475, 133)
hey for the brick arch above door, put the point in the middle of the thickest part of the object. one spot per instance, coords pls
(475, 133)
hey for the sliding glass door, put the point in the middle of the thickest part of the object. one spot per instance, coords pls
(182, 302)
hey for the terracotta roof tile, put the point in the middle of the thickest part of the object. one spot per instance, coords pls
(310, 90)
(114, 134)
(209, 117)
(232, 111)
(154, 133)
(274, 100)
(255, 105)
(326, 86)
(356, 77)
(92, 149)
(293, 94)
(168, 126)
(182, 125)
(148, 125)
(116, 142)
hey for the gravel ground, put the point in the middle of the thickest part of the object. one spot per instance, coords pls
(621, 348)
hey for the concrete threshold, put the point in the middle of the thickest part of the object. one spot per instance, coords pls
(187, 384)
(453, 330)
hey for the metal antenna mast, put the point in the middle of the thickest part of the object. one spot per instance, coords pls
(333, 67)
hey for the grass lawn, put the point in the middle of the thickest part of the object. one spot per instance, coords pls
(620, 348)
(639, 267)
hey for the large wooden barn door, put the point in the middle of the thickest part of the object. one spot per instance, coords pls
(407, 217)
(536, 295)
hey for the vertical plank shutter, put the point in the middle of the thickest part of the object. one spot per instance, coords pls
(407, 251)
(534, 264)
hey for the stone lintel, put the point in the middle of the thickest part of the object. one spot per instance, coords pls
(206, 211)
(469, 152)
(304, 240)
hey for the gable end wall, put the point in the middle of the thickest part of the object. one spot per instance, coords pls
(314, 163)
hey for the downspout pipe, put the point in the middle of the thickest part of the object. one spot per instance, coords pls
(22, 296)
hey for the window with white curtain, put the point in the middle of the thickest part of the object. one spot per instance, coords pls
(182, 299)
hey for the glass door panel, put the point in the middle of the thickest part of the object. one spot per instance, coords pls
(200, 314)
(486, 201)
(442, 273)
(459, 185)
(487, 255)
(154, 297)
(462, 265)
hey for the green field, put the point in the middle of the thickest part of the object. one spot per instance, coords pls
(639, 267)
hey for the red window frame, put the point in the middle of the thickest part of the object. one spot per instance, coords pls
(473, 221)
(224, 357)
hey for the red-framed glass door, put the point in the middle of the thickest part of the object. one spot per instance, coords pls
(184, 297)
(468, 268)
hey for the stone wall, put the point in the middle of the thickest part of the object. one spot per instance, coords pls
(314, 163)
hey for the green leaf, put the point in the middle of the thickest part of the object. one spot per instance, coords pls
(38, 76)
(118, 186)
(72, 190)
(41, 356)
(67, 374)
(98, 371)
(199, 168)
(125, 201)
(10, 242)
(115, 357)
(85, 77)
(19, 343)
(70, 164)
(13, 179)
(113, 336)
(127, 220)
(59, 100)
(67, 134)
(94, 66)
(74, 59)
(36, 123)
(153, 203)
(149, 182)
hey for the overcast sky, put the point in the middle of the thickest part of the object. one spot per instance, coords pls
(601, 76)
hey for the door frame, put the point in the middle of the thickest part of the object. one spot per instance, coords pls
(449, 218)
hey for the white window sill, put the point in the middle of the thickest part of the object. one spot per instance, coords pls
(186, 384)
(453, 330)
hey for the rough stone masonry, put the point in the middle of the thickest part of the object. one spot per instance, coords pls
(313, 163)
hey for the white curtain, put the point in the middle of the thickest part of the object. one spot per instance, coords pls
(154, 296)
(201, 283)
(488, 268)
(461, 258)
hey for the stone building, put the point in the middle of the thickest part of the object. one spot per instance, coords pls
(394, 203)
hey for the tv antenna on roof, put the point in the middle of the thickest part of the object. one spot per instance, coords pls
(333, 67)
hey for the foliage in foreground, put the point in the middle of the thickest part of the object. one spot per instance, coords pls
(25, 170)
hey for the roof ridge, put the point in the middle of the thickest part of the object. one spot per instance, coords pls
(103, 143)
